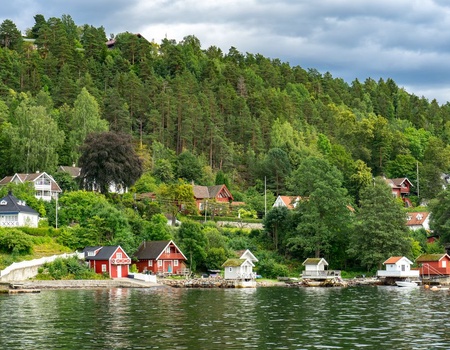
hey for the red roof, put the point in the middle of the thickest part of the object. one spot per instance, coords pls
(392, 260)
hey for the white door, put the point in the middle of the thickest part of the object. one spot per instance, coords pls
(119, 271)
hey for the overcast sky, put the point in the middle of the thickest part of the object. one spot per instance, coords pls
(406, 40)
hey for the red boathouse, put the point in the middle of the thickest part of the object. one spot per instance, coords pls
(111, 260)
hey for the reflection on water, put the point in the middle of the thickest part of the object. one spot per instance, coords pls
(263, 318)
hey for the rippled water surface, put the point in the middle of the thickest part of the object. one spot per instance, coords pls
(263, 318)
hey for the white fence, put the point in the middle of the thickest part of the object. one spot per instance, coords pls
(29, 268)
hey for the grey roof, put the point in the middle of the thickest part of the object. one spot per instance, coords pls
(151, 249)
(11, 204)
(104, 254)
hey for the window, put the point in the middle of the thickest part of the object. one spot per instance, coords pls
(119, 256)
(230, 269)
(168, 250)
(150, 263)
(3, 202)
(159, 263)
(175, 263)
(444, 263)
(91, 253)
(103, 267)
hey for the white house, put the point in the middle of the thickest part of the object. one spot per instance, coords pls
(416, 221)
(398, 266)
(289, 202)
(45, 186)
(241, 269)
(16, 213)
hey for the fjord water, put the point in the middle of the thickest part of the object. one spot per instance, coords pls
(262, 318)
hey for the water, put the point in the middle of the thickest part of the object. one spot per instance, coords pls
(262, 318)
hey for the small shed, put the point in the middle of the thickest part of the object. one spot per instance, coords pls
(316, 268)
(238, 269)
(111, 260)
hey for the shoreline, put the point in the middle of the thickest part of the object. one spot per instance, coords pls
(133, 283)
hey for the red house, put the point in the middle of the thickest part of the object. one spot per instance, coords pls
(160, 257)
(401, 187)
(434, 264)
(218, 193)
(109, 259)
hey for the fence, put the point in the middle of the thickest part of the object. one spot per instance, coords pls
(26, 269)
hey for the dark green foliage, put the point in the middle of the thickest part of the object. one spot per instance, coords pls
(380, 229)
(109, 159)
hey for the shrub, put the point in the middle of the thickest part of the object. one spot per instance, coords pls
(15, 241)
(269, 268)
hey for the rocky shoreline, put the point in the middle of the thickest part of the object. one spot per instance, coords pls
(181, 283)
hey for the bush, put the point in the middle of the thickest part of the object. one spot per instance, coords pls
(269, 268)
(15, 241)
(70, 268)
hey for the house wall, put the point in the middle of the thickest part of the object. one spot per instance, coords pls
(231, 272)
(435, 267)
(319, 267)
(28, 220)
(398, 266)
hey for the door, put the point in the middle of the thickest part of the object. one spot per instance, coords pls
(119, 271)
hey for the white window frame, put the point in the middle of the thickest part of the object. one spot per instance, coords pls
(103, 267)
(160, 263)
(119, 256)
(150, 263)
(175, 263)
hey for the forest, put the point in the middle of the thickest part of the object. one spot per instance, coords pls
(200, 115)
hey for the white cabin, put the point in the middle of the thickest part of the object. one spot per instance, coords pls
(238, 269)
(398, 266)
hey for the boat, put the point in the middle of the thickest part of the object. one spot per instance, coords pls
(406, 283)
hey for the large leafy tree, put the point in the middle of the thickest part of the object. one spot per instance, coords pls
(440, 216)
(109, 159)
(34, 139)
(380, 230)
(322, 216)
(193, 243)
(85, 120)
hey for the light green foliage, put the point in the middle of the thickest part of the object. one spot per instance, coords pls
(157, 229)
(77, 206)
(70, 268)
(35, 139)
(85, 119)
(15, 241)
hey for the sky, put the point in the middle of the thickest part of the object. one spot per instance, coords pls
(406, 40)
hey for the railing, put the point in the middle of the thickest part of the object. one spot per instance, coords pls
(410, 273)
(246, 276)
(9, 223)
(321, 274)
(124, 261)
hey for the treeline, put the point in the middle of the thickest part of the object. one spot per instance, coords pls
(205, 116)
(247, 115)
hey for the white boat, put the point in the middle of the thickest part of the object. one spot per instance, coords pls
(406, 283)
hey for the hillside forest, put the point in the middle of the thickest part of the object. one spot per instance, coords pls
(195, 115)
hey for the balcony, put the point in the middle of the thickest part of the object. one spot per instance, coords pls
(125, 261)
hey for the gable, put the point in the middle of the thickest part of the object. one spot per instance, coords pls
(212, 192)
